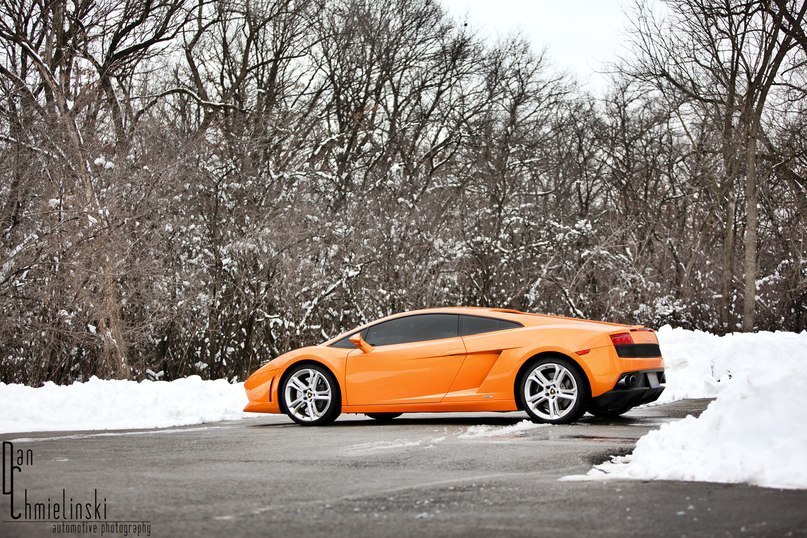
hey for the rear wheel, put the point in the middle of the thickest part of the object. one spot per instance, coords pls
(383, 417)
(311, 396)
(553, 391)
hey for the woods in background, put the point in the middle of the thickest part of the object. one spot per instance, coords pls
(196, 186)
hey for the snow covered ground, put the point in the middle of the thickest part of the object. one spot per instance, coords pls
(114, 404)
(754, 432)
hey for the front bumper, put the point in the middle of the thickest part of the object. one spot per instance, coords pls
(261, 388)
(649, 386)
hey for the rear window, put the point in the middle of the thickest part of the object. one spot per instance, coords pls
(477, 325)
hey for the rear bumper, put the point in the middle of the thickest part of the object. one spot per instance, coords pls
(605, 367)
(649, 386)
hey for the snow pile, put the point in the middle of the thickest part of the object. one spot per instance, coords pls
(753, 432)
(689, 358)
(516, 430)
(115, 404)
(700, 365)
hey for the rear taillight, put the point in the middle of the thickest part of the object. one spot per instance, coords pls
(622, 339)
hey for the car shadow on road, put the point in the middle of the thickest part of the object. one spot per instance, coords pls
(471, 420)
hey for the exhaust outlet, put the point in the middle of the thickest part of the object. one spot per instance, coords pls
(627, 381)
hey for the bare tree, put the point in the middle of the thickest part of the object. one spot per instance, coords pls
(722, 57)
(196, 186)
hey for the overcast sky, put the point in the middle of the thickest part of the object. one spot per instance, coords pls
(581, 36)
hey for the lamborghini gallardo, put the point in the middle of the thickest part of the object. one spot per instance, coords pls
(465, 359)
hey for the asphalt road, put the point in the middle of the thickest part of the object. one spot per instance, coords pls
(429, 475)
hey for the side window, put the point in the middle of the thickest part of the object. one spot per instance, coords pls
(415, 328)
(476, 325)
(345, 342)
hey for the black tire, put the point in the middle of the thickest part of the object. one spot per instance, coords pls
(384, 417)
(609, 413)
(324, 412)
(554, 403)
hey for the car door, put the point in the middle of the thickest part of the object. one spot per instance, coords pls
(414, 360)
(484, 338)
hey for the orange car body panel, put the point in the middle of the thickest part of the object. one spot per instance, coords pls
(413, 373)
(465, 373)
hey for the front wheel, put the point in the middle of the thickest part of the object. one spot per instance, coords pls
(553, 391)
(311, 396)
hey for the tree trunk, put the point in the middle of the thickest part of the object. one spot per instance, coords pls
(115, 361)
(726, 284)
(750, 294)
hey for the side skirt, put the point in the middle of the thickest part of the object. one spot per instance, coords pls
(449, 407)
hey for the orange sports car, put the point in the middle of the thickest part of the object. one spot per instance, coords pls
(465, 359)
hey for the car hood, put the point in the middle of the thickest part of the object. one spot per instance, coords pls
(281, 360)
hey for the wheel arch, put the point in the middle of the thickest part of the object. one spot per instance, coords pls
(281, 399)
(525, 365)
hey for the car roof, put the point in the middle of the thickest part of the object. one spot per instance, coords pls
(524, 318)
(500, 313)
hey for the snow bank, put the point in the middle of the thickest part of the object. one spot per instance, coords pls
(753, 432)
(699, 364)
(114, 404)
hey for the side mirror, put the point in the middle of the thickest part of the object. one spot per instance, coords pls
(359, 342)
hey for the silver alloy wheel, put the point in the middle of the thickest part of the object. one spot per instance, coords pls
(308, 395)
(550, 391)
